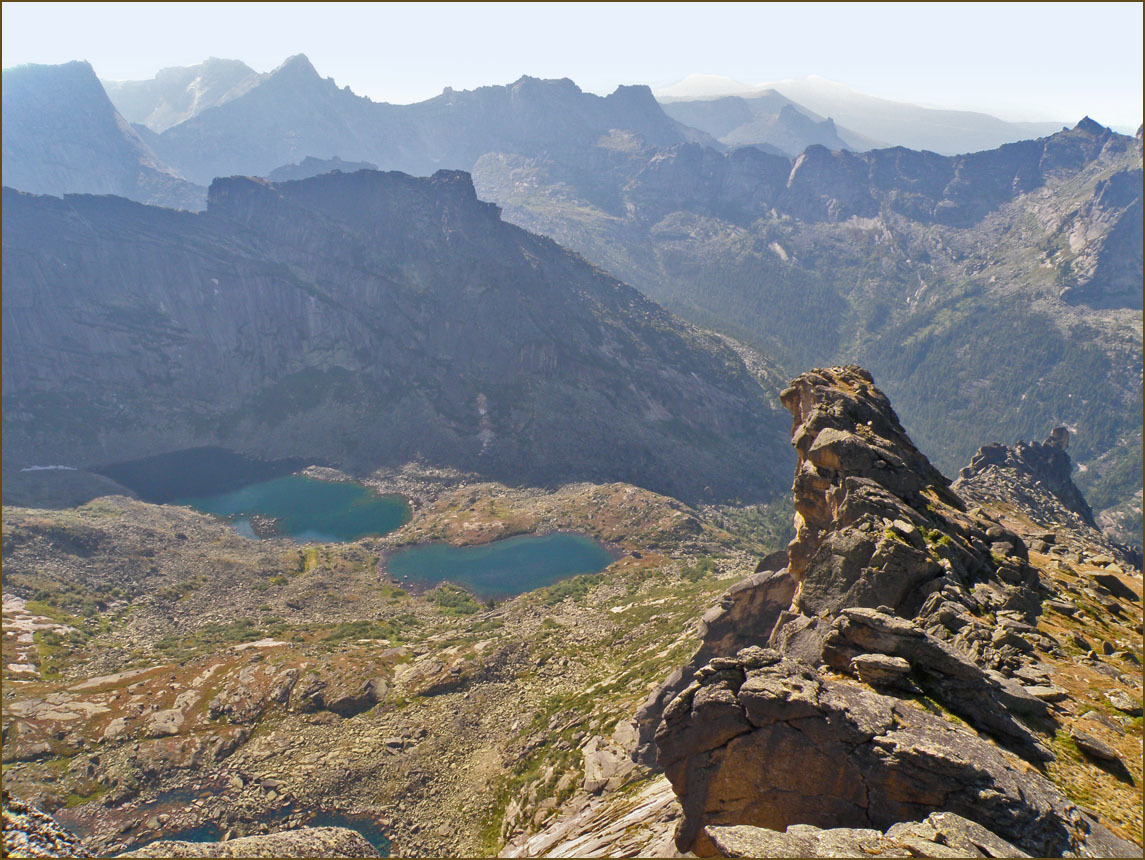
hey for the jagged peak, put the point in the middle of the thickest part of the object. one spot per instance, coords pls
(529, 82)
(298, 64)
(1045, 463)
(1090, 126)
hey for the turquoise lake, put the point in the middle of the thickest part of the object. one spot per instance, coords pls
(503, 568)
(307, 509)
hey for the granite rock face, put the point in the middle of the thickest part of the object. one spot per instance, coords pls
(763, 740)
(746, 614)
(876, 525)
(941, 834)
(898, 595)
(360, 320)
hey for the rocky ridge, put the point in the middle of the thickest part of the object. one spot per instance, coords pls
(890, 682)
(896, 260)
(1036, 479)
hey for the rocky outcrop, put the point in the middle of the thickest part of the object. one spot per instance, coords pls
(894, 685)
(746, 614)
(360, 320)
(1037, 479)
(941, 834)
(303, 842)
(28, 832)
(767, 741)
(1044, 464)
(877, 526)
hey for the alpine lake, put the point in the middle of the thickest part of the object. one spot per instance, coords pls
(266, 500)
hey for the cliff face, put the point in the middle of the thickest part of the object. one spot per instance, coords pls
(359, 319)
(62, 134)
(892, 590)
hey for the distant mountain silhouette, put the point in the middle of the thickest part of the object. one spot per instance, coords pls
(293, 112)
(177, 94)
(869, 121)
(62, 134)
(766, 119)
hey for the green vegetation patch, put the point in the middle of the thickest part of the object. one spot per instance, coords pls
(453, 600)
(576, 588)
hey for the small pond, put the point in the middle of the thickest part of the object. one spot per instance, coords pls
(305, 509)
(262, 498)
(503, 568)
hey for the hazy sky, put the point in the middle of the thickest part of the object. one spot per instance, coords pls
(1056, 61)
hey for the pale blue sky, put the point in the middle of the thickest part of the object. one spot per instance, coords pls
(1054, 61)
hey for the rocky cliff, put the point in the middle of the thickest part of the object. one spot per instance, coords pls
(359, 319)
(893, 672)
(62, 134)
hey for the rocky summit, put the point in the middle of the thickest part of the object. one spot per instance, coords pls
(891, 670)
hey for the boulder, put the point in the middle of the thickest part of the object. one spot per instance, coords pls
(941, 834)
(766, 742)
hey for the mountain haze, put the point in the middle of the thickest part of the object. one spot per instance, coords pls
(62, 134)
(868, 118)
(179, 93)
(293, 112)
(995, 293)
(767, 119)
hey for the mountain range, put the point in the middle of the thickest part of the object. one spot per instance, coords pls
(885, 662)
(987, 290)
(998, 291)
(872, 122)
